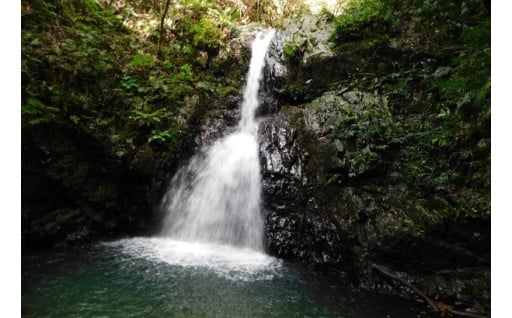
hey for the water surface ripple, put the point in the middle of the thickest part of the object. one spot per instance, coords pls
(158, 277)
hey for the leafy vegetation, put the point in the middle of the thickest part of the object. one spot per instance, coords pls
(420, 168)
(361, 19)
(89, 64)
(96, 97)
(363, 135)
(291, 51)
(434, 60)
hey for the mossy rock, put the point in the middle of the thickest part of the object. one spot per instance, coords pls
(143, 160)
(54, 222)
(227, 91)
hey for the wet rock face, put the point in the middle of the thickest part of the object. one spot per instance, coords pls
(282, 163)
(275, 72)
(217, 125)
(290, 233)
(296, 226)
(274, 79)
(334, 198)
(310, 34)
(313, 239)
(234, 56)
(281, 155)
(307, 217)
(214, 124)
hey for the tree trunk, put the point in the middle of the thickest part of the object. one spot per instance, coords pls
(161, 35)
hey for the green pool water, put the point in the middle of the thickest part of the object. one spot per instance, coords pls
(152, 277)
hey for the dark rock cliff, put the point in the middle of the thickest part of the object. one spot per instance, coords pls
(341, 189)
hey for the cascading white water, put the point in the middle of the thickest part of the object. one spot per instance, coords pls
(254, 76)
(216, 197)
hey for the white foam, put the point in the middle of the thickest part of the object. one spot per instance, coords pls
(226, 261)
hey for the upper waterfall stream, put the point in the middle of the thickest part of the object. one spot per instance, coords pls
(216, 197)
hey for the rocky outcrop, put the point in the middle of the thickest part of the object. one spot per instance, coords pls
(291, 233)
(341, 168)
(306, 218)
(310, 36)
(335, 197)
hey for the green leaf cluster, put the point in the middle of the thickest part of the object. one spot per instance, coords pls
(442, 91)
(203, 24)
(292, 51)
(35, 112)
(363, 136)
(361, 19)
(143, 60)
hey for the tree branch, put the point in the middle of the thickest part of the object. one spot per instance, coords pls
(436, 307)
(406, 283)
(162, 20)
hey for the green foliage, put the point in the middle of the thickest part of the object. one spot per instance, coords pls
(292, 51)
(435, 8)
(71, 70)
(298, 92)
(365, 135)
(95, 79)
(448, 10)
(203, 24)
(207, 34)
(145, 117)
(143, 60)
(35, 112)
(468, 89)
(129, 82)
(227, 90)
(442, 98)
(169, 138)
(360, 19)
(186, 72)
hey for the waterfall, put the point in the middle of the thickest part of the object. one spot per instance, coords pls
(216, 197)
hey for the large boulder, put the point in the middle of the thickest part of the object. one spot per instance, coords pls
(302, 159)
